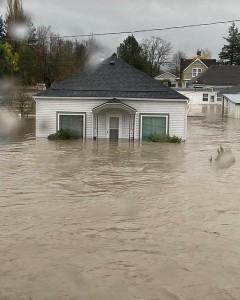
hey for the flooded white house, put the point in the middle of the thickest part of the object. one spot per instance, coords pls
(113, 100)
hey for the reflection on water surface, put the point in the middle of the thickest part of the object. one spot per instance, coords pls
(87, 220)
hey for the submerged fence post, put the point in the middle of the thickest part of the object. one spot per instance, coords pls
(223, 107)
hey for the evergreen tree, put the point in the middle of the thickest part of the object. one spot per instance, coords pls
(230, 54)
(32, 39)
(3, 31)
(131, 52)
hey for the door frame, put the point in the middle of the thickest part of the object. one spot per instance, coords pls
(108, 123)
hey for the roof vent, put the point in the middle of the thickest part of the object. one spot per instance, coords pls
(113, 59)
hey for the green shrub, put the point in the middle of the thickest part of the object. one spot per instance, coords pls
(63, 135)
(165, 139)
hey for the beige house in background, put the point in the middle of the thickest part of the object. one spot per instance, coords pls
(167, 77)
(191, 68)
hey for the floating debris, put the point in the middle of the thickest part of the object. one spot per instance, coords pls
(224, 159)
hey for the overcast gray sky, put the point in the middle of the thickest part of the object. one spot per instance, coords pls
(74, 17)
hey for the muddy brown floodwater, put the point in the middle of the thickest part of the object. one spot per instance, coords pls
(98, 221)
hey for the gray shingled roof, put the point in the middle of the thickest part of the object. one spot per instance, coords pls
(231, 90)
(219, 75)
(112, 80)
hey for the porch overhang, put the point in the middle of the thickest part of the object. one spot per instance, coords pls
(114, 103)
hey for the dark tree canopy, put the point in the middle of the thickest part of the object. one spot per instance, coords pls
(148, 56)
(131, 52)
(230, 53)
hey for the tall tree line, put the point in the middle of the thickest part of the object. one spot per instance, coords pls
(36, 54)
(33, 54)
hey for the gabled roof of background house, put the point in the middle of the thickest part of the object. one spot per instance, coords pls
(186, 62)
(165, 75)
(220, 75)
(112, 78)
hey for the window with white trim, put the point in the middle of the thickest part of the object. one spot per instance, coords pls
(205, 97)
(196, 72)
(73, 123)
(153, 125)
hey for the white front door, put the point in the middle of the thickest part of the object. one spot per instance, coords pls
(114, 127)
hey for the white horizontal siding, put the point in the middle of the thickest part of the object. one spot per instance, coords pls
(196, 97)
(47, 113)
(233, 110)
(102, 128)
(175, 110)
(47, 110)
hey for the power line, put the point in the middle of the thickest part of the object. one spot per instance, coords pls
(148, 30)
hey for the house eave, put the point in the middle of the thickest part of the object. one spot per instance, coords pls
(108, 98)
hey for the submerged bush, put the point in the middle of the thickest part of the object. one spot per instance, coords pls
(63, 135)
(165, 139)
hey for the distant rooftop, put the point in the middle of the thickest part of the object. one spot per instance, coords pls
(220, 75)
(232, 90)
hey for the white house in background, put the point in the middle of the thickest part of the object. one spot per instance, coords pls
(209, 86)
(199, 96)
(232, 101)
(112, 101)
(168, 77)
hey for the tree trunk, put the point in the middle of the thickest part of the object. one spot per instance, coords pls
(48, 83)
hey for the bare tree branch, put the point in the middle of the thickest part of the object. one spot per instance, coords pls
(156, 51)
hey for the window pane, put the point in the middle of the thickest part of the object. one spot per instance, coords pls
(114, 122)
(72, 124)
(205, 97)
(153, 126)
(196, 72)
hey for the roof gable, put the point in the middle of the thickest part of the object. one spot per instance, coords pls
(112, 78)
(186, 63)
(192, 63)
(163, 76)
